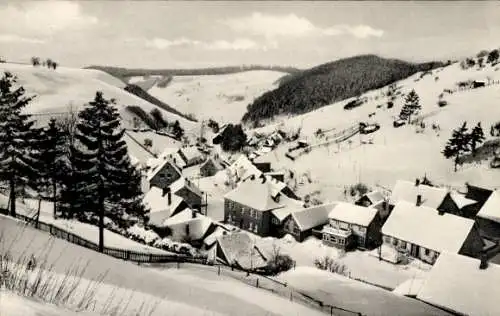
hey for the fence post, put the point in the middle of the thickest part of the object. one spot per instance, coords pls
(151, 258)
(257, 282)
(291, 298)
(331, 310)
(178, 265)
(218, 272)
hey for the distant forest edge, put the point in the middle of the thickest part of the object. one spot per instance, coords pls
(308, 90)
(124, 73)
(139, 92)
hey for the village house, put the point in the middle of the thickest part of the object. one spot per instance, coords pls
(301, 223)
(190, 226)
(249, 205)
(161, 204)
(437, 198)
(189, 192)
(422, 232)
(164, 174)
(462, 285)
(373, 199)
(210, 167)
(488, 217)
(190, 156)
(239, 250)
(478, 194)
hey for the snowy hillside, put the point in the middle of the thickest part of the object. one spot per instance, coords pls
(392, 153)
(221, 97)
(57, 90)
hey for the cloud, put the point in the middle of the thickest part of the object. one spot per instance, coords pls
(44, 17)
(12, 38)
(291, 25)
(237, 44)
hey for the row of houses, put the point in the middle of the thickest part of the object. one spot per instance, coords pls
(417, 220)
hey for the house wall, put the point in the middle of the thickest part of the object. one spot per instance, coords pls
(427, 255)
(488, 228)
(373, 234)
(244, 217)
(290, 227)
(192, 199)
(165, 177)
(360, 232)
(473, 244)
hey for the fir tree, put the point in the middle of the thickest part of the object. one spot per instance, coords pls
(102, 164)
(476, 137)
(177, 130)
(18, 165)
(411, 106)
(458, 144)
(52, 162)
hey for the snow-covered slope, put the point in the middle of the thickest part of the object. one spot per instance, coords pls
(396, 153)
(57, 90)
(172, 291)
(221, 97)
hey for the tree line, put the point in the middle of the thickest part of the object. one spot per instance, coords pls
(462, 142)
(80, 163)
(49, 63)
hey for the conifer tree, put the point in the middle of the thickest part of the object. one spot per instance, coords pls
(458, 144)
(102, 163)
(52, 154)
(411, 106)
(17, 141)
(476, 137)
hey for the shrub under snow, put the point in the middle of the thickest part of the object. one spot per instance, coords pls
(148, 236)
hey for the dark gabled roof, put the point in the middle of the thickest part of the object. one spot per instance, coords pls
(478, 194)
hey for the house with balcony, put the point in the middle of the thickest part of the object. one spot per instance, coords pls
(351, 226)
(423, 233)
(300, 223)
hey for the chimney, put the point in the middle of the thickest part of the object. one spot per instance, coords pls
(419, 200)
(165, 191)
(263, 178)
(484, 262)
(169, 197)
(417, 182)
(193, 213)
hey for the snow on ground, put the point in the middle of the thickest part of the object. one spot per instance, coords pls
(86, 231)
(221, 97)
(396, 153)
(160, 143)
(349, 294)
(176, 291)
(57, 89)
(360, 264)
(15, 305)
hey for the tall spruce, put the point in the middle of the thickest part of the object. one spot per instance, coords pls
(476, 137)
(18, 165)
(102, 163)
(457, 145)
(411, 106)
(52, 161)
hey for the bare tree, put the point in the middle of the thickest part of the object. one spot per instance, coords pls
(68, 125)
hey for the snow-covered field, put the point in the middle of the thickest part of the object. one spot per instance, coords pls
(173, 292)
(57, 90)
(396, 153)
(349, 294)
(220, 97)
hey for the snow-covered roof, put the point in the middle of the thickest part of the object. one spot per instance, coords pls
(408, 191)
(212, 238)
(276, 186)
(133, 160)
(460, 199)
(491, 209)
(179, 162)
(198, 226)
(410, 287)
(159, 164)
(290, 206)
(424, 226)
(375, 197)
(353, 214)
(312, 216)
(244, 168)
(185, 183)
(256, 193)
(191, 153)
(456, 283)
(155, 201)
(239, 248)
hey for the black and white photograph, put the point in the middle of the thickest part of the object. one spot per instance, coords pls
(249, 158)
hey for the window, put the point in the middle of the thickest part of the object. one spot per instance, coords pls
(275, 221)
(296, 231)
(362, 229)
(387, 239)
(230, 219)
(361, 241)
(402, 244)
(256, 229)
(250, 226)
(427, 252)
(344, 225)
(341, 241)
(394, 241)
(326, 237)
